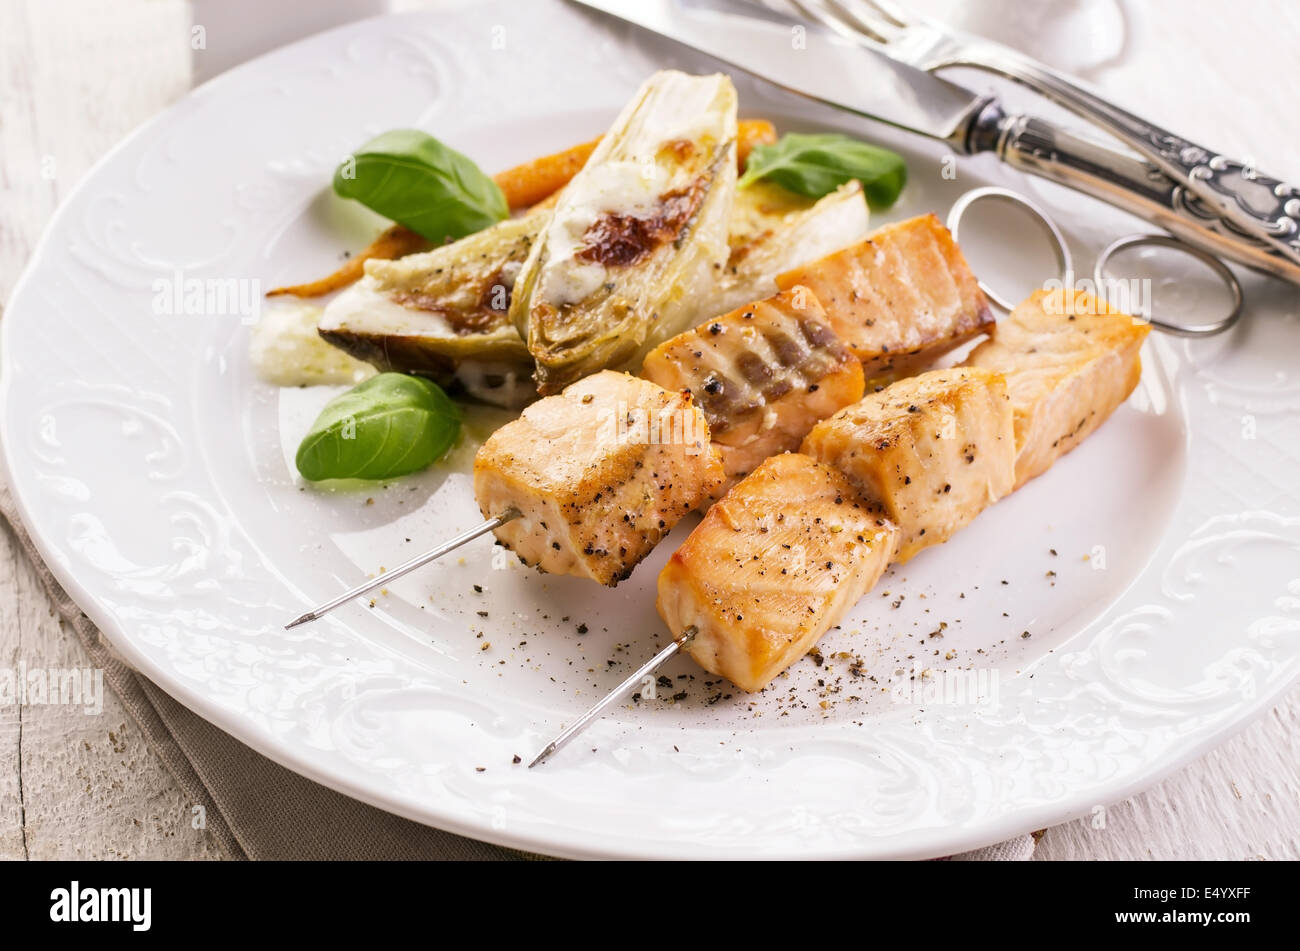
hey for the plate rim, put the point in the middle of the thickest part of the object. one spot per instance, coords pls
(564, 843)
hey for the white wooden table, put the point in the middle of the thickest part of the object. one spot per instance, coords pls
(77, 75)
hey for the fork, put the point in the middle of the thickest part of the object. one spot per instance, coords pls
(1199, 189)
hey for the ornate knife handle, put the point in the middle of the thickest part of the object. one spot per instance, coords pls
(1124, 180)
(1251, 207)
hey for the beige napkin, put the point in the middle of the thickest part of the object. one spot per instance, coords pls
(257, 809)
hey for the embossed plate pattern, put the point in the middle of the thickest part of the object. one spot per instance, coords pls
(1126, 611)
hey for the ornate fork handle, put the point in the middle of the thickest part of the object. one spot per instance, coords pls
(1251, 205)
(1121, 178)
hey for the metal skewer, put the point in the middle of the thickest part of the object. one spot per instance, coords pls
(625, 687)
(405, 567)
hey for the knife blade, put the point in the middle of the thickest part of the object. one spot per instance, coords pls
(823, 66)
(807, 61)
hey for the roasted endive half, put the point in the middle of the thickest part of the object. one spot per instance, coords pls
(436, 312)
(443, 313)
(637, 237)
(772, 230)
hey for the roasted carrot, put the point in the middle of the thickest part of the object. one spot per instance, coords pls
(749, 133)
(393, 243)
(527, 184)
(524, 186)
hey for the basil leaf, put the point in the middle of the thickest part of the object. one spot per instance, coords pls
(388, 426)
(412, 178)
(816, 165)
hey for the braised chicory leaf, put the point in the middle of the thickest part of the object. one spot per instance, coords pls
(412, 178)
(390, 425)
(817, 164)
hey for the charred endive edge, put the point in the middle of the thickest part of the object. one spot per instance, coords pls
(432, 312)
(772, 231)
(637, 236)
(435, 311)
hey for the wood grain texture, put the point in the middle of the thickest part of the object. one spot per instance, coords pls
(13, 843)
(77, 75)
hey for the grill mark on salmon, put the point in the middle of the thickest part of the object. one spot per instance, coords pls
(763, 375)
(817, 335)
(756, 372)
(788, 351)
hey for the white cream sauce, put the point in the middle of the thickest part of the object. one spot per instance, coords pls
(286, 350)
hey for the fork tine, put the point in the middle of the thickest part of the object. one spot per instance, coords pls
(894, 13)
(785, 8)
(777, 6)
(871, 16)
(816, 11)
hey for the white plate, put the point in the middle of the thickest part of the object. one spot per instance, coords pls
(155, 474)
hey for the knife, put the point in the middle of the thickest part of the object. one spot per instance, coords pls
(829, 69)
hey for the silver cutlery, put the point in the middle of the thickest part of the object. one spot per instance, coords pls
(874, 58)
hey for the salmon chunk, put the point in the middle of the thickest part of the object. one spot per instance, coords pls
(1069, 361)
(773, 566)
(900, 298)
(933, 450)
(763, 374)
(599, 473)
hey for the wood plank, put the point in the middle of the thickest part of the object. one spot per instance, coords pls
(79, 75)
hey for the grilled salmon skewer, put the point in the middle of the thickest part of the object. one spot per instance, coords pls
(600, 475)
(922, 457)
(794, 546)
(930, 452)
(763, 375)
(766, 373)
(586, 482)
